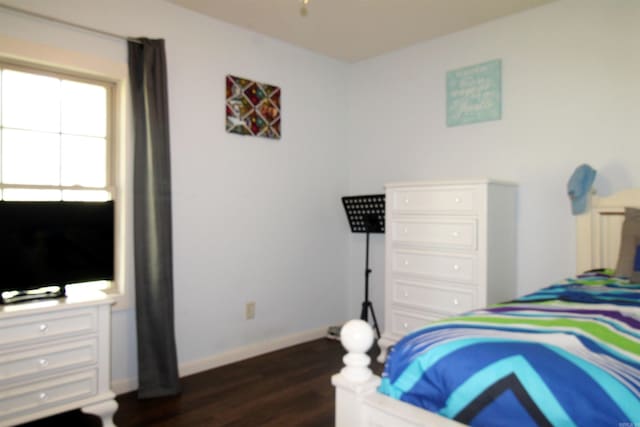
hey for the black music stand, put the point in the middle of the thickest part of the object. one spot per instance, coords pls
(366, 215)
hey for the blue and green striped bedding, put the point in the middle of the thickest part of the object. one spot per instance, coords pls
(568, 355)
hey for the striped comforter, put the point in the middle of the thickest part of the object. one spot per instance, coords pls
(568, 355)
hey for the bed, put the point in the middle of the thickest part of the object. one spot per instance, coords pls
(568, 354)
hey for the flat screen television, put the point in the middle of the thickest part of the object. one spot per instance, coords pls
(48, 245)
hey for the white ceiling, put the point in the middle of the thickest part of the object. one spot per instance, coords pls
(352, 30)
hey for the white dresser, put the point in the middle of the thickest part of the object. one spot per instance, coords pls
(450, 247)
(55, 357)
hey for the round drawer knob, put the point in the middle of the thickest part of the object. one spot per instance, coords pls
(405, 230)
(43, 363)
(457, 199)
(456, 267)
(406, 200)
(43, 396)
(455, 234)
(43, 327)
(405, 325)
(455, 301)
(406, 262)
(405, 294)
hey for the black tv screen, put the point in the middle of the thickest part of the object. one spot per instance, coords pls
(55, 243)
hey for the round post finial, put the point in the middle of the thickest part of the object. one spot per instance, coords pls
(356, 337)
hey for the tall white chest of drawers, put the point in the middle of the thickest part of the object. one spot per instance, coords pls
(450, 247)
(55, 357)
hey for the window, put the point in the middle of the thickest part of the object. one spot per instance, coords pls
(55, 136)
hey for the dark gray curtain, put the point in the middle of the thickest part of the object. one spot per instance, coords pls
(157, 361)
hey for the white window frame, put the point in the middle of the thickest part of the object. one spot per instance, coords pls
(116, 154)
(65, 75)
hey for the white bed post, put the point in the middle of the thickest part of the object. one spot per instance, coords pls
(355, 381)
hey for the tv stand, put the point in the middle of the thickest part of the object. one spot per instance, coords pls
(55, 357)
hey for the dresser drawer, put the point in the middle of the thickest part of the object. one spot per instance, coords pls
(453, 200)
(40, 395)
(432, 297)
(457, 268)
(23, 330)
(48, 359)
(436, 233)
(404, 322)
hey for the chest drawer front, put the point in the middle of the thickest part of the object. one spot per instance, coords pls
(49, 359)
(404, 322)
(41, 395)
(457, 268)
(437, 234)
(58, 324)
(431, 297)
(455, 200)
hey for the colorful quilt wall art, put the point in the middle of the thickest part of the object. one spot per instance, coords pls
(253, 108)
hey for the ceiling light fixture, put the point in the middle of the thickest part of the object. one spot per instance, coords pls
(303, 8)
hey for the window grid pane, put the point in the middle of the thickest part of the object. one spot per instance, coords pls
(84, 109)
(30, 157)
(85, 195)
(30, 101)
(17, 194)
(83, 161)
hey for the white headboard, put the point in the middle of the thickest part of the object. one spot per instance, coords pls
(598, 231)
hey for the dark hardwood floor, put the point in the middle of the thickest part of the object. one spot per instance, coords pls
(289, 387)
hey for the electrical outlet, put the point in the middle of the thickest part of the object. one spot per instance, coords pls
(250, 310)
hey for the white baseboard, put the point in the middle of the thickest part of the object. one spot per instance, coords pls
(126, 385)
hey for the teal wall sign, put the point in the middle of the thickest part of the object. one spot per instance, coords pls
(474, 93)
